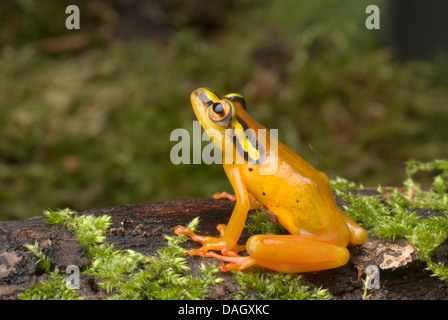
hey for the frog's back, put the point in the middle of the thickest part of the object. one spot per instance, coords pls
(299, 195)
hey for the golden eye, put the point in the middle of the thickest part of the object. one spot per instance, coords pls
(220, 112)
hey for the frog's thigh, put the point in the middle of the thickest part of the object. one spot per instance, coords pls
(293, 253)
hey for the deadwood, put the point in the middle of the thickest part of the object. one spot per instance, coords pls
(141, 227)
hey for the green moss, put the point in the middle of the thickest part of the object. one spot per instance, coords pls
(393, 212)
(42, 259)
(258, 222)
(53, 288)
(124, 274)
(89, 230)
(344, 184)
(266, 284)
(127, 274)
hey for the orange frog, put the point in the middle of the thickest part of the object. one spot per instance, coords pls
(265, 173)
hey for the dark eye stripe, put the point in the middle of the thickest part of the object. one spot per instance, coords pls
(205, 98)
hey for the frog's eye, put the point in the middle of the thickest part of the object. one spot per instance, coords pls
(220, 112)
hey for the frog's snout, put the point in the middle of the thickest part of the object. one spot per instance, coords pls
(195, 93)
(200, 95)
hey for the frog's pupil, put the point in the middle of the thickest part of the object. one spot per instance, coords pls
(218, 108)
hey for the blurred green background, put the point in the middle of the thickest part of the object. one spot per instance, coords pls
(86, 115)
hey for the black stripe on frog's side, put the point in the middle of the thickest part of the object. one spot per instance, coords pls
(252, 139)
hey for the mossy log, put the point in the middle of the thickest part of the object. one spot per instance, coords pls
(141, 227)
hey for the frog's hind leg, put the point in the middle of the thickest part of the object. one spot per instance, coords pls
(287, 253)
(357, 234)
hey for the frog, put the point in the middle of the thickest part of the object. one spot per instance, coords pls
(266, 174)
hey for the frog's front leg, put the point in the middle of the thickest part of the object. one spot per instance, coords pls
(287, 253)
(254, 204)
(208, 243)
(230, 234)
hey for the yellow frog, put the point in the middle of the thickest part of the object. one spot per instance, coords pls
(297, 194)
